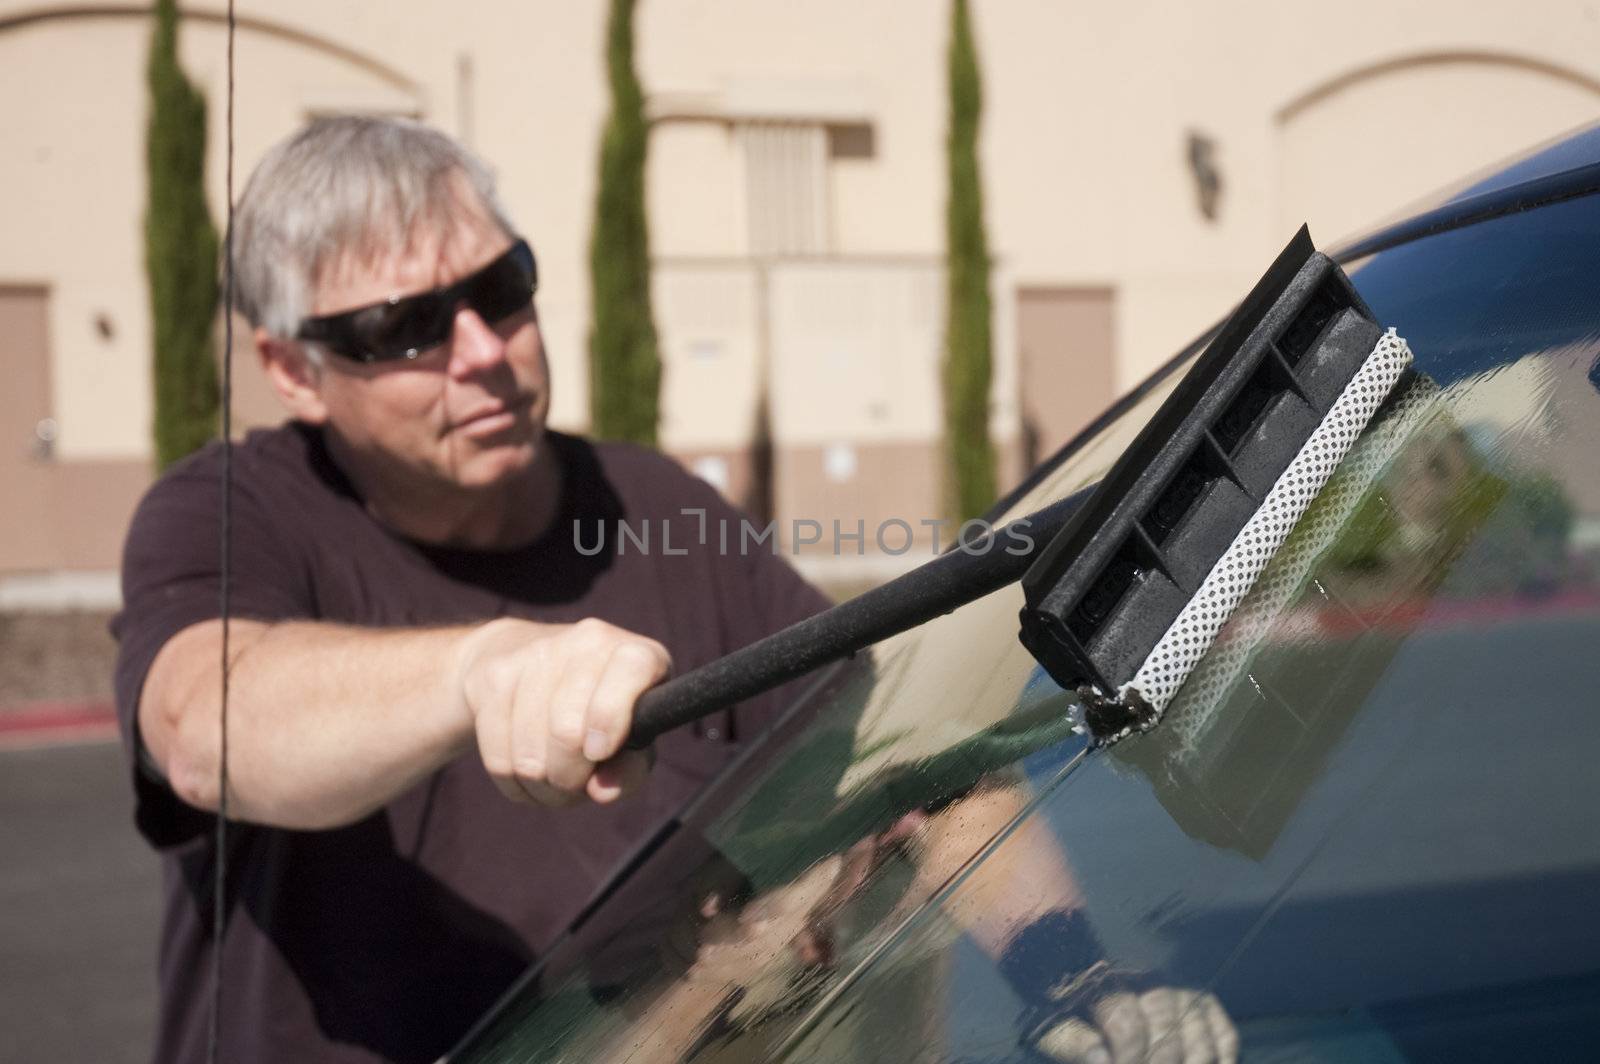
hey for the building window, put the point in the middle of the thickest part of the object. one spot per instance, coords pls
(786, 187)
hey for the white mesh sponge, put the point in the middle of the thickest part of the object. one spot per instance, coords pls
(1177, 653)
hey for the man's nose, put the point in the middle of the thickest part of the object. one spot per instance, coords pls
(474, 345)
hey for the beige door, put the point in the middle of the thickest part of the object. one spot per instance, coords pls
(1066, 352)
(26, 433)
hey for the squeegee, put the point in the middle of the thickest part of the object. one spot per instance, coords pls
(1140, 574)
(1129, 596)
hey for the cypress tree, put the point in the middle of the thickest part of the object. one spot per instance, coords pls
(624, 367)
(180, 250)
(969, 473)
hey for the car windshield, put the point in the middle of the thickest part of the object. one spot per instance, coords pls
(1364, 825)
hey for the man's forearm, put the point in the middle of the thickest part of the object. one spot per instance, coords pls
(326, 723)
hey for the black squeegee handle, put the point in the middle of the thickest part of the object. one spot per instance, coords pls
(953, 579)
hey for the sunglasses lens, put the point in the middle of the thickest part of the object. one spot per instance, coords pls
(505, 287)
(402, 329)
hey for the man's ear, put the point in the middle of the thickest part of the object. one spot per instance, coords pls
(293, 376)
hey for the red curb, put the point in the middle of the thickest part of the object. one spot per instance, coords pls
(69, 717)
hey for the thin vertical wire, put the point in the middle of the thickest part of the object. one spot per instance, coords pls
(219, 910)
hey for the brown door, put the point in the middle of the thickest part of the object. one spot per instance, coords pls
(1066, 355)
(26, 431)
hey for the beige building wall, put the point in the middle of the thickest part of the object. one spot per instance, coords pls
(796, 184)
(1432, 104)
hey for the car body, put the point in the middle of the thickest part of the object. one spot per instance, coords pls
(1367, 824)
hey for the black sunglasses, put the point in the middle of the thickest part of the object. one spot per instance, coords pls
(403, 327)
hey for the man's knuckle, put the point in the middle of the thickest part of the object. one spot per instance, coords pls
(566, 730)
(591, 631)
(529, 767)
(639, 653)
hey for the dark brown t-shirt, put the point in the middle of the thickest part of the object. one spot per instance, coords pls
(384, 940)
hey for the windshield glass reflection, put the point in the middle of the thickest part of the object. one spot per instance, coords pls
(1362, 832)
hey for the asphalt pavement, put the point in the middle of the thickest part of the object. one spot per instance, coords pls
(79, 909)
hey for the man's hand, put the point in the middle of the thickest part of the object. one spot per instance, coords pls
(552, 704)
(1168, 1025)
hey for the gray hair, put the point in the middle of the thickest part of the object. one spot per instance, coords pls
(350, 184)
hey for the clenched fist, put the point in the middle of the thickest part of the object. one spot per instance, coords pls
(552, 705)
(1168, 1025)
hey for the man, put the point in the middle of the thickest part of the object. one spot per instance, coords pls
(429, 683)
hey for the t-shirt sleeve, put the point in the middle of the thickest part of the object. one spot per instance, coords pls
(171, 579)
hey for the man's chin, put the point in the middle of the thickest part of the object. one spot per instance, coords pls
(500, 464)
